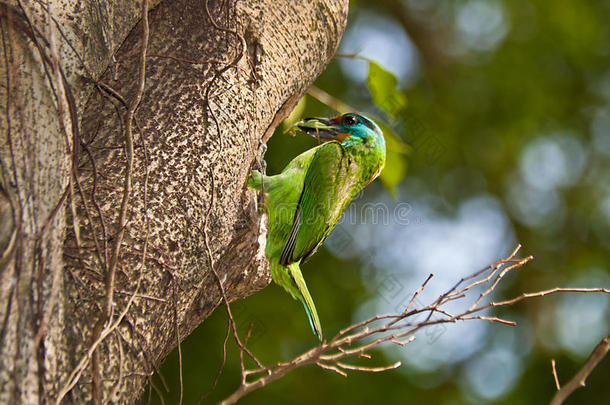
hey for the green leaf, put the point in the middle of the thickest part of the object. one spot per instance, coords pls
(396, 164)
(394, 171)
(393, 142)
(382, 85)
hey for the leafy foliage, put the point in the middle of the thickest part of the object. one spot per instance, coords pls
(383, 87)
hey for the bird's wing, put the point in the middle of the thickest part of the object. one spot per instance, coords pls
(322, 195)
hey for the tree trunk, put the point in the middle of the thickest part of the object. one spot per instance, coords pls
(109, 217)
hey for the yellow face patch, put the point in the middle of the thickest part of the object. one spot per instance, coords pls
(343, 136)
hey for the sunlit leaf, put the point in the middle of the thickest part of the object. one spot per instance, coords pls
(393, 142)
(394, 171)
(382, 85)
(396, 159)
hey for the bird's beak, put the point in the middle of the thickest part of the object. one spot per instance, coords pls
(325, 129)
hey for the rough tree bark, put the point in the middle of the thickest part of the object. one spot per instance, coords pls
(106, 221)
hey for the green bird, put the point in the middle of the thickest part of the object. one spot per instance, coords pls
(306, 200)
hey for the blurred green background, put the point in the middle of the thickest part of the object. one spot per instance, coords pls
(499, 119)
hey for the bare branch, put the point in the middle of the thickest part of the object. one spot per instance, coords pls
(579, 379)
(369, 369)
(490, 319)
(356, 340)
(331, 368)
(329, 100)
(548, 292)
(555, 375)
(419, 290)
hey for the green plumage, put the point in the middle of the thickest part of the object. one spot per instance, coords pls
(306, 200)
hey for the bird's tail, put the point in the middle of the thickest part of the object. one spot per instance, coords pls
(310, 308)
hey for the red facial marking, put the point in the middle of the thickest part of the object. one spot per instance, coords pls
(343, 136)
(336, 120)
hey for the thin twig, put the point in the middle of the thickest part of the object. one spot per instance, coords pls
(554, 370)
(547, 292)
(145, 296)
(179, 346)
(80, 367)
(579, 379)
(157, 391)
(502, 273)
(329, 100)
(454, 293)
(222, 363)
(130, 161)
(488, 318)
(369, 369)
(331, 368)
(356, 340)
(419, 290)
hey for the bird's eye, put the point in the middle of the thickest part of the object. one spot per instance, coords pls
(349, 120)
